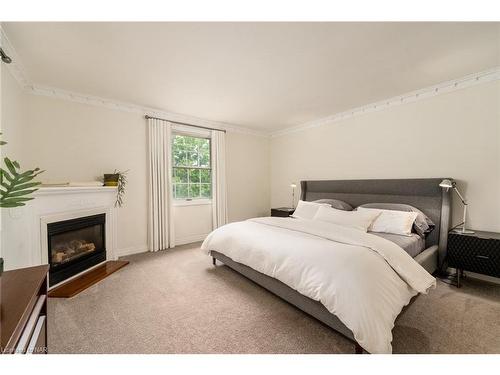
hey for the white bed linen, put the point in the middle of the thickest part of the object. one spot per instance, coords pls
(363, 279)
(391, 221)
(360, 220)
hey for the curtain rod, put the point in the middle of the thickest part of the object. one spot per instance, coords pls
(183, 123)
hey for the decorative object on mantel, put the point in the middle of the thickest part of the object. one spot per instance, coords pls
(16, 186)
(54, 184)
(73, 184)
(111, 179)
(85, 184)
(118, 179)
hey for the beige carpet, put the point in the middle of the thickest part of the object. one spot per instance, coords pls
(177, 302)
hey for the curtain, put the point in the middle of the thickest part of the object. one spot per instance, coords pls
(160, 225)
(219, 193)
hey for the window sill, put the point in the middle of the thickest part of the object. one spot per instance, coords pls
(194, 202)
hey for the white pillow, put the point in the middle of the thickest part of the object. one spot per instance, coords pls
(391, 221)
(307, 210)
(354, 219)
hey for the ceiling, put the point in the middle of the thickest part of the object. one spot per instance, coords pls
(265, 76)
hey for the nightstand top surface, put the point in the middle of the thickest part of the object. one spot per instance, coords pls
(289, 209)
(480, 234)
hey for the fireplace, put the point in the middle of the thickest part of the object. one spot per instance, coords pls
(75, 245)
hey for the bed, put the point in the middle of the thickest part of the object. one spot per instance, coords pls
(424, 194)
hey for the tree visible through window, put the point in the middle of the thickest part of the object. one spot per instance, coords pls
(192, 173)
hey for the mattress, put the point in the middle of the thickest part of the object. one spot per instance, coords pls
(413, 244)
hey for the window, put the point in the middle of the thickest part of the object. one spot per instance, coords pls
(191, 169)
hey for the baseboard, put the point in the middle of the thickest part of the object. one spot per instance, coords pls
(131, 250)
(142, 249)
(190, 239)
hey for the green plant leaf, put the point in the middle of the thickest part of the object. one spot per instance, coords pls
(11, 205)
(21, 193)
(17, 199)
(122, 182)
(15, 186)
(28, 173)
(23, 186)
(10, 166)
(6, 175)
(26, 179)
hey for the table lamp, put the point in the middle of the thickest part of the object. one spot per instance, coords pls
(293, 186)
(450, 184)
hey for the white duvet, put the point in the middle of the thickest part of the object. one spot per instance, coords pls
(363, 279)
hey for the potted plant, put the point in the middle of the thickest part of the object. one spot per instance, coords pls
(118, 179)
(16, 186)
(111, 179)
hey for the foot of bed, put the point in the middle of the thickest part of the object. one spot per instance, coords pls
(214, 261)
(358, 349)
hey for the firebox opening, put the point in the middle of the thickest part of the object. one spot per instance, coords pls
(75, 245)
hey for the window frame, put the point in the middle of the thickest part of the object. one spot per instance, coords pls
(194, 133)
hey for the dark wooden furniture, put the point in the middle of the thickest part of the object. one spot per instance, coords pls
(282, 211)
(478, 252)
(24, 310)
(80, 283)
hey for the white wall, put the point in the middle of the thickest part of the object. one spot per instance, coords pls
(452, 135)
(80, 142)
(77, 142)
(248, 183)
(192, 223)
(11, 119)
(12, 114)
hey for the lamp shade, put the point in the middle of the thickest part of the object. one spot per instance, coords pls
(447, 183)
(293, 186)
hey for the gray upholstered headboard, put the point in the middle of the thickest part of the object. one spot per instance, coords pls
(422, 193)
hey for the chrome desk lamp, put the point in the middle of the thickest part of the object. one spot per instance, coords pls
(450, 184)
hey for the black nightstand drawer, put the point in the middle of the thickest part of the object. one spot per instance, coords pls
(474, 253)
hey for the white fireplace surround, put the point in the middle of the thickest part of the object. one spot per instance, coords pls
(24, 229)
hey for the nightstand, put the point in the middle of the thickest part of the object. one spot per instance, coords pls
(478, 252)
(282, 211)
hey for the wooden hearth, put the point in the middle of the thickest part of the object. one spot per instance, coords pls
(78, 284)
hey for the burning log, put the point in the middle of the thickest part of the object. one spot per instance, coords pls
(67, 251)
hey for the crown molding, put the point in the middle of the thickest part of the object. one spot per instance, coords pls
(134, 108)
(410, 97)
(18, 71)
(16, 68)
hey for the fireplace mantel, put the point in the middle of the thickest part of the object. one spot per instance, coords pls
(74, 190)
(23, 229)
